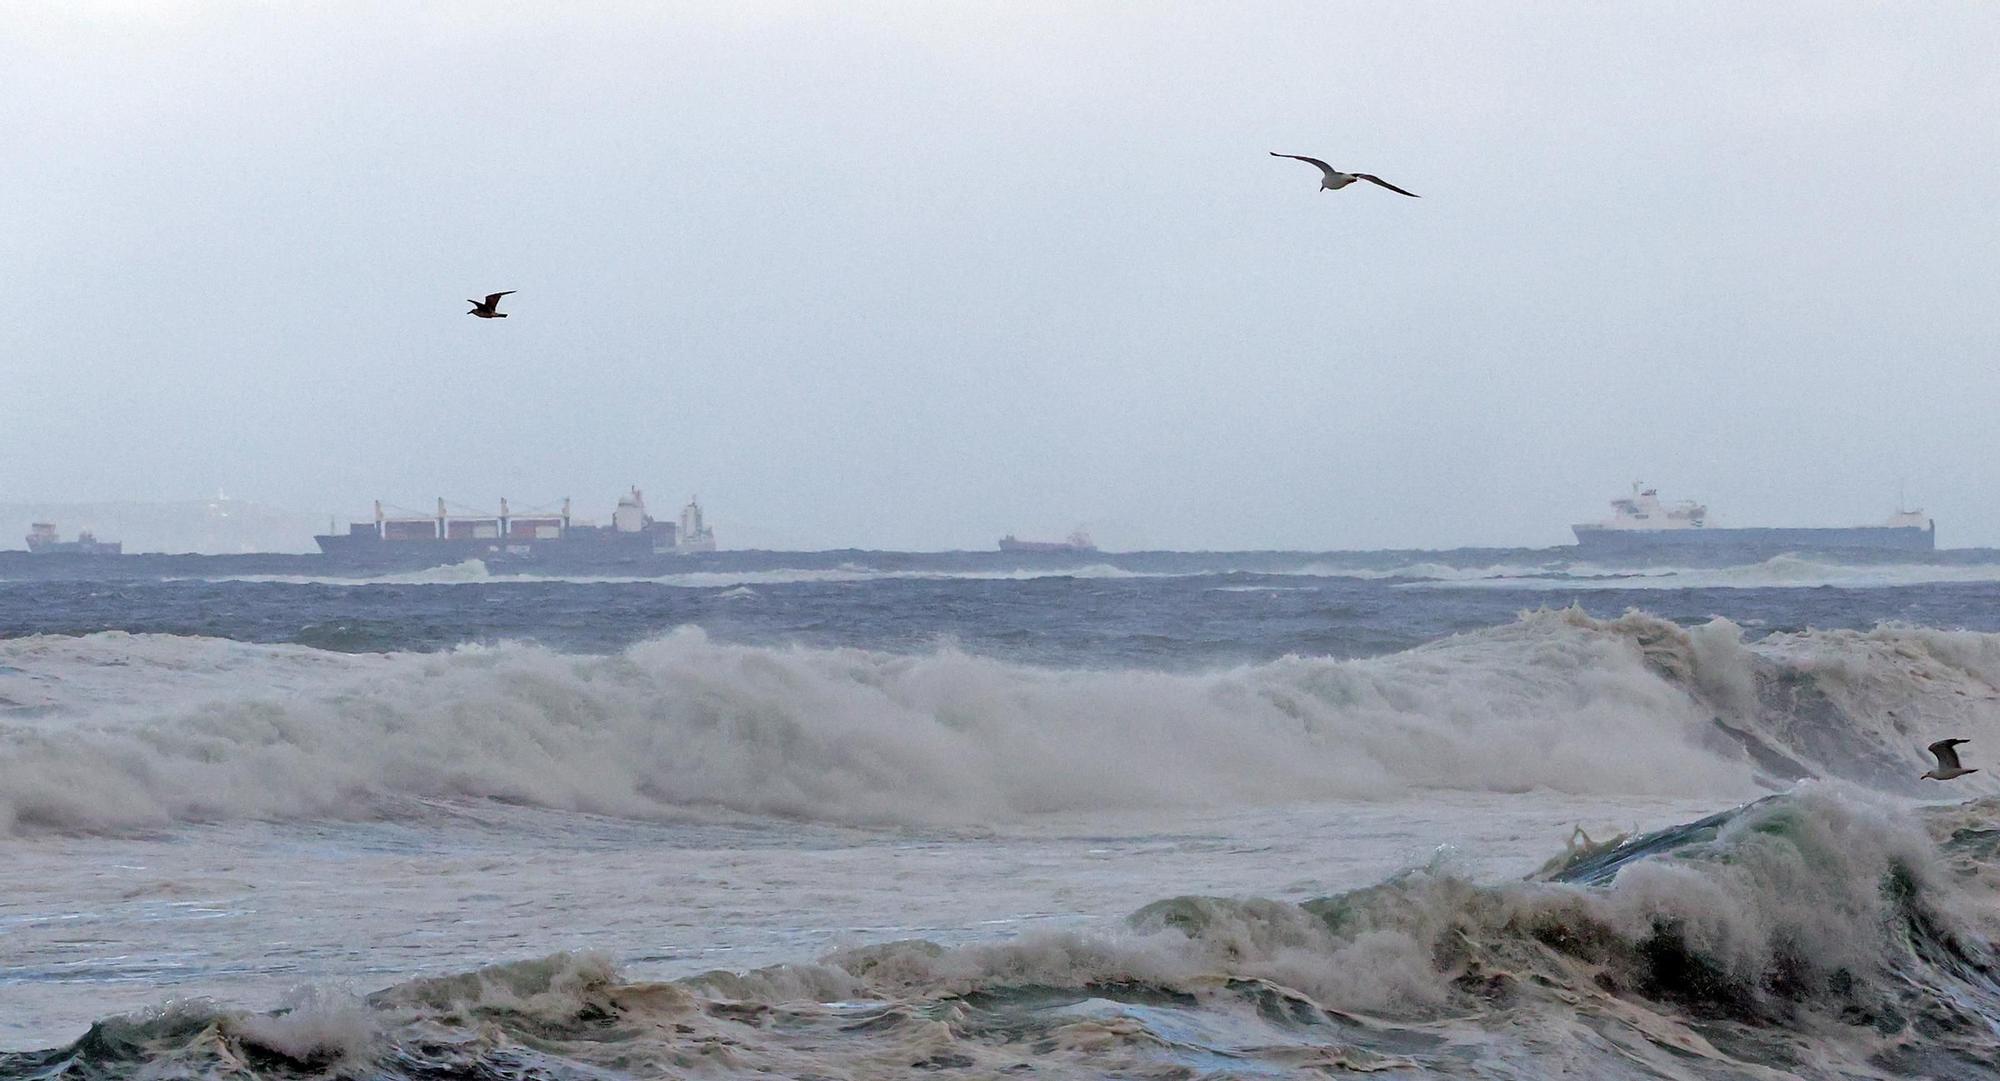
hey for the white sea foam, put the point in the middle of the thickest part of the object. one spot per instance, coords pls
(1773, 935)
(263, 905)
(1428, 571)
(318, 1024)
(474, 571)
(683, 723)
(1798, 880)
(119, 731)
(1776, 940)
(1778, 572)
(477, 571)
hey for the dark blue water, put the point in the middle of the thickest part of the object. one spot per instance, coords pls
(1166, 622)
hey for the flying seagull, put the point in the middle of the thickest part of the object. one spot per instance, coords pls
(1334, 180)
(1947, 756)
(490, 307)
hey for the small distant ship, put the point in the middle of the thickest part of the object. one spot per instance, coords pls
(1078, 541)
(1642, 522)
(42, 540)
(550, 539)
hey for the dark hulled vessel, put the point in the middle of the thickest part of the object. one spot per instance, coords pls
(546, 539)
(42, 540)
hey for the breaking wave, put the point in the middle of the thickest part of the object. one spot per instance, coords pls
(1815, 934)
(113, 731)
(1778, 572)
(476, 571)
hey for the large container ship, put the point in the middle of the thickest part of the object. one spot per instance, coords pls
(1642, 522)
(549, 538)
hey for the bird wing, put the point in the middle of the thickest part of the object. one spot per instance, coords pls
(1323, 167)
(1946, 756)
(1386, 184)
(494, 298)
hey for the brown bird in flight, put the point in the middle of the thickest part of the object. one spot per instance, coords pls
(490, 307)
(1334, 180)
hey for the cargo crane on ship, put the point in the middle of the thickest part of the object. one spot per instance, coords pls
(547, 537)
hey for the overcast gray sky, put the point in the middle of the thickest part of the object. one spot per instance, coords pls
(914, 275)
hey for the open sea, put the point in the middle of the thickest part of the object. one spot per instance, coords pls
(875, 815)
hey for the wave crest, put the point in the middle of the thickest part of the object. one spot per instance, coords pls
(1810, 934)
(122, 731)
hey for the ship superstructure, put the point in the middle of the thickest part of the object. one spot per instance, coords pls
(1643, 510)
(695, 535)
(1643, 522)
(43, 540)
(548, 536)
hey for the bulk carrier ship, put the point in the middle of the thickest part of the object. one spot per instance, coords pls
(1642, 523)
(542, 539)
(1078, 541)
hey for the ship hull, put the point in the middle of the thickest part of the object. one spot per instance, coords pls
(565, 553)
(1043, 546)
(1757, 541)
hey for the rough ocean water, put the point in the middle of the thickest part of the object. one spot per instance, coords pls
(867, 815)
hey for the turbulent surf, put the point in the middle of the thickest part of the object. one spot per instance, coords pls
(849, 824)
(1809, 934)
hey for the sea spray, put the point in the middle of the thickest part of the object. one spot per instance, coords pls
(684, 725)
(1818, 934)
(145, 731)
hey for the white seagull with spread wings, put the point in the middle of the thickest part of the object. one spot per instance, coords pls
(1334, 180)
(1946, 751)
